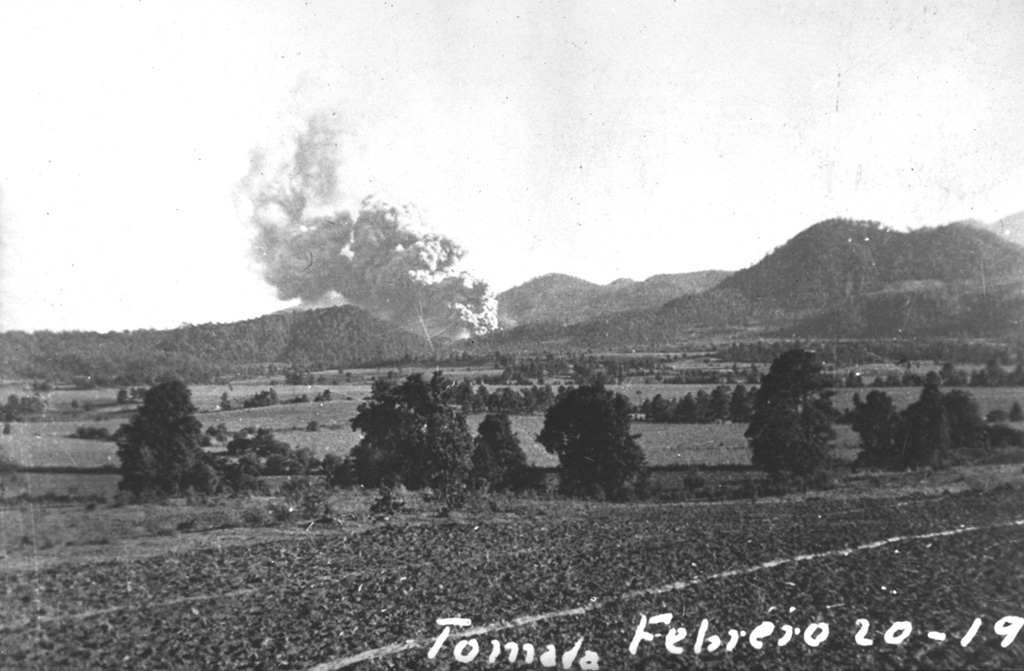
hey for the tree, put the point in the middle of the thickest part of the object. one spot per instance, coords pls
(159, 449)
(718, 404)
(791, 426)
(588, 428)
(498, 459)
(739, 405)
(414, 437)
(924, 435)
(1016, 412)
(966, 425)
(878, 424)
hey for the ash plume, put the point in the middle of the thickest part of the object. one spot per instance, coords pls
(380, 258)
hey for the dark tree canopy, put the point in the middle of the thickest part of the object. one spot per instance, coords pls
(924, 437)
(878, 424)
(588, 428)
(160, 448)
(498, 459)
(413, 437)
(791, 426)
(966, 425)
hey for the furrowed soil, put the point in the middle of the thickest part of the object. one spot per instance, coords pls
(549, 573)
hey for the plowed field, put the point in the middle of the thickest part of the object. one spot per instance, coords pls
(827, 576)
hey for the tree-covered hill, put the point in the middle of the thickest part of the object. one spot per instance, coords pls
(837, 260)
(838, 278)
(327, 338)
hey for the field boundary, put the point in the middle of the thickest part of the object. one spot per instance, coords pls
(412, 644)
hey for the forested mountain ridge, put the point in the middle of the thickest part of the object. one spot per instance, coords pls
(838, 278)
(563, 299)
(325, 338)
(838, 260)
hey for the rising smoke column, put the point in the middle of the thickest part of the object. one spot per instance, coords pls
(381, 259)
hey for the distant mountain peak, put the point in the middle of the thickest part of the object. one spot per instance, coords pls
(563, 299)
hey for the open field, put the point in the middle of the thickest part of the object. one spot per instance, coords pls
(368, 597)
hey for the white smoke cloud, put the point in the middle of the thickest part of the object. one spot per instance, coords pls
(382, 259)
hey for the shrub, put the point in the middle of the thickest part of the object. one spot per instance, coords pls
(1001, 435)
(92, 433)
(997, 416)
(263, 399)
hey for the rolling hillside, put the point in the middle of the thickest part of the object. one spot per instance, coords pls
(323, 338)
(562, 299)
(838, 260)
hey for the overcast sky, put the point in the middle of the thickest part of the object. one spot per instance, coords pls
(598, 139)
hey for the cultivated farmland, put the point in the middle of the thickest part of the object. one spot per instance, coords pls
(824, 573)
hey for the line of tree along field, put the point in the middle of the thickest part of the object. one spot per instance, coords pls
(415, 435)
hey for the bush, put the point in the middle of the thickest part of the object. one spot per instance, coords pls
(997, 417)
(265, 398)
(1001, 435)
(218, 433)
(92, 433)
(313, 426)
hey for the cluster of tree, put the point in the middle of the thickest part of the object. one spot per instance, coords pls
(161, 450)
(722, 404)
(925, 433)
(857, 352)
(992, 375)
(269, 455)
(509, 400)
(415, 436)
(792, 422)
(998, 416)
(19, 407)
